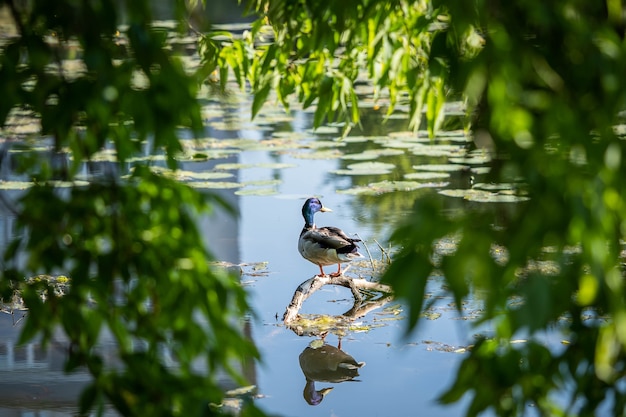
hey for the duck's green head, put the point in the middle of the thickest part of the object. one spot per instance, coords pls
(312, 206)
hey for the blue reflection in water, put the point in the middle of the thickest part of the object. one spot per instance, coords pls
(403, 375)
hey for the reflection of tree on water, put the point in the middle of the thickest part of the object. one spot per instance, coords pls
(322, 362)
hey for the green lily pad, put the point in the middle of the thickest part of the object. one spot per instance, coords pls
(29, 149)
(23, 185)
(233, 166)
(268, 165)
(257, 191)
(437, 150)
(359, 172)
(204, 176)
(211, 111)
(372, 154)
(276, 165)
(460, 133)
(15, 185)
(214, 185)
(370, 165)
(389, 186)
(366, 168)
(105, 155)
(472, 159)
(441, 167)
(431, 315)
(68, 184)
(426, 175)
(318, 323)
(496, 186)
(274, 118)
(482, 196)
(290, 135)
(240, 143)
(205, 154)
(362, 139)
(324, 130)
(261, 182)
(227, 125)
(275, 144)
(323, 154)
(318, 144)
(481, 170)
(231, 27)
(182, 175)
(397, 143)
(146, 158)
(403, 134)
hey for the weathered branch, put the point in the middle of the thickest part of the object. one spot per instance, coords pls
(360, 308)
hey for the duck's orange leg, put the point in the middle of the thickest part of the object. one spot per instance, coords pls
(338, 273)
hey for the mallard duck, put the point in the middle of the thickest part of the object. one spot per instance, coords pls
(325, 245)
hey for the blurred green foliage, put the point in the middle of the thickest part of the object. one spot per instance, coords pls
(140, 275)
(317, 52)
(545, 92)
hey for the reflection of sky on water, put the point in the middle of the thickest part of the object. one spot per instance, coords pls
(401, 377)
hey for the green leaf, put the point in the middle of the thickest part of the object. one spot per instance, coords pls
(260, 97)
(88, 398)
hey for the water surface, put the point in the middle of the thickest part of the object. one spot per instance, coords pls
(281, 162)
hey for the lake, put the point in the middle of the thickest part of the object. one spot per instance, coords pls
(266, 168)
(275, 163)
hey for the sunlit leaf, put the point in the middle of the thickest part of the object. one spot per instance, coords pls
(259, 99)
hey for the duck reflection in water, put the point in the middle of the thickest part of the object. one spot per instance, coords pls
(325, 363)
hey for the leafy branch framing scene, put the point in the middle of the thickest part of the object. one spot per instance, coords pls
(537, 91)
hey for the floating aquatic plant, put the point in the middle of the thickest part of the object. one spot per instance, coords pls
(257, 191)
(366, 168)
(440, 167)
(390, 186)
(370, 154)
(482, 196)
(426, 175)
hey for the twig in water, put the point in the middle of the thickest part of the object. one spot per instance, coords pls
(384, 252)
(368, 253)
